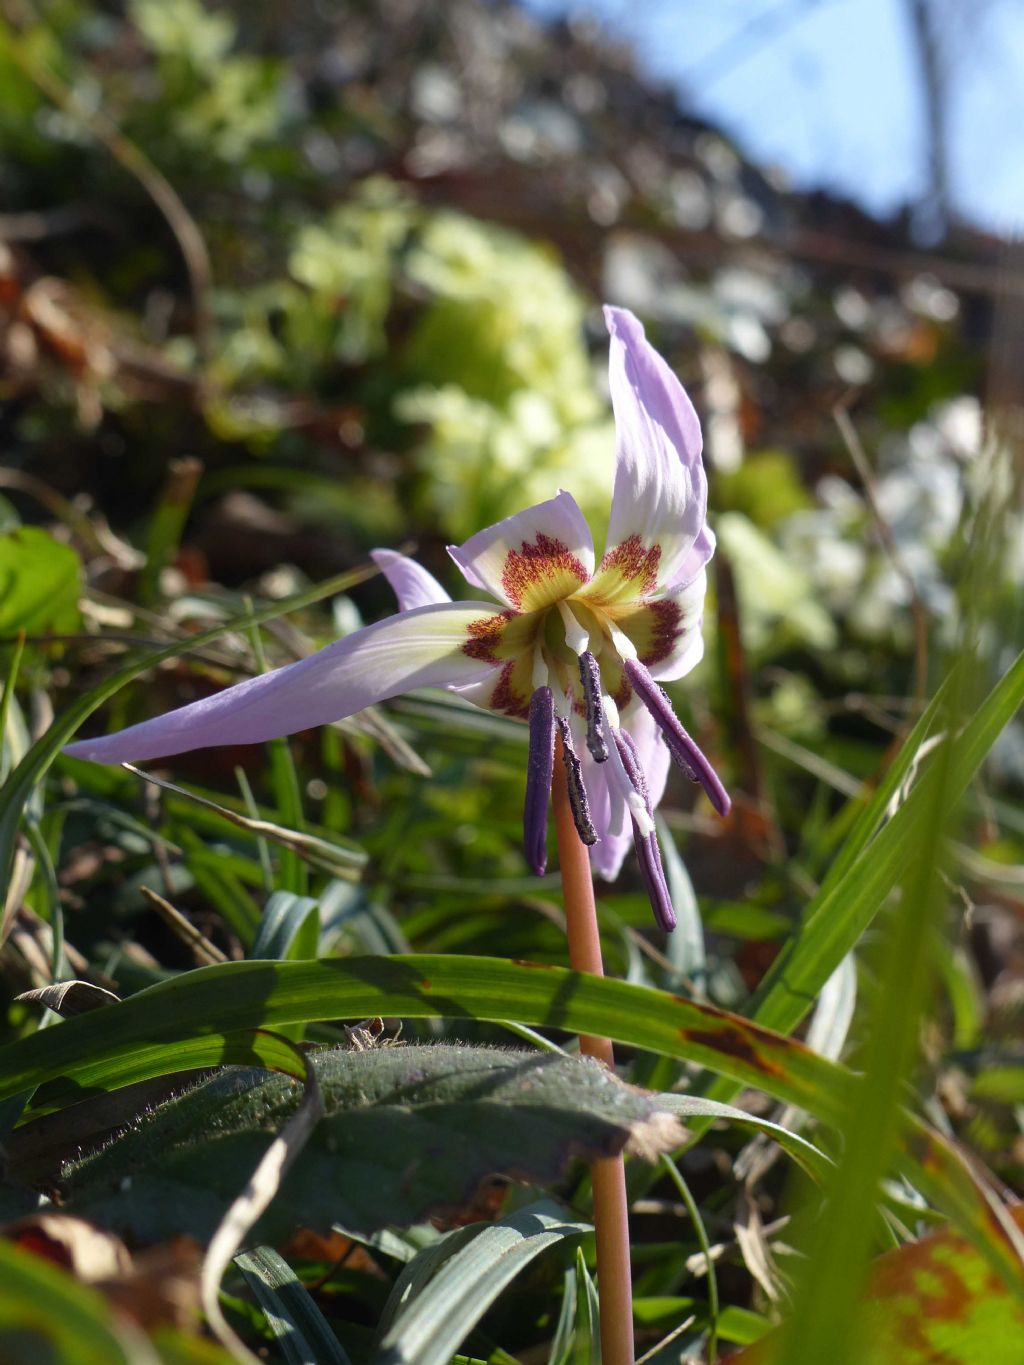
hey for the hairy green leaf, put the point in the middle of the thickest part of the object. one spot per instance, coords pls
(407, 1132)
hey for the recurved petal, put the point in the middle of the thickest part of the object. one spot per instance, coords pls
(532, 559)
(666, 632)
(607, 854)
(425, 647)
(413, 586)
(695, 560)
(660, 496)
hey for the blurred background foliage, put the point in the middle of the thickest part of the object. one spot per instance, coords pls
(279, 285)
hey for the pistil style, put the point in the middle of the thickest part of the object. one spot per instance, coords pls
(539, 771)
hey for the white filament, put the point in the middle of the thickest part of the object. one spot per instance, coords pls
(540, 668)
(624, 646)
(576, 637)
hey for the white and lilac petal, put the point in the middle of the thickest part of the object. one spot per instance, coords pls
(666, 632)
(696, 559)
(425, 647)
(533, 559)
(659, 499)
(607, 854)
(412, 584)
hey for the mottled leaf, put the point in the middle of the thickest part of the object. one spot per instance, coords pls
(931, 1302)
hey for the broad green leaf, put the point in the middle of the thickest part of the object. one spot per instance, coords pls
(40, 583)
(302, 1331)
(931, 1302)
(428, 1329)
(185, 1021)
(203, 1017)
(407, 1132)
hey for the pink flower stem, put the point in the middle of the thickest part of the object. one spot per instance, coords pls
(611, 1213)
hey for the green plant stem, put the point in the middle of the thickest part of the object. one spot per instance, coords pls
(608, 1175)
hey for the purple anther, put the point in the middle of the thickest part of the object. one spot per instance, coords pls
(630, 756)
(578, 802)
(682, 748)
(648, 853)
(590, 681)
(540, 766)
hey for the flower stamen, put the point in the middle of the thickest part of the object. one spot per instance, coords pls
(683, 749)
(540, 767)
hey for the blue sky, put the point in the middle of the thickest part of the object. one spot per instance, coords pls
(827, 90)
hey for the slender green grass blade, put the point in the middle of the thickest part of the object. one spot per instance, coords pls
(431, 1326)
(676, 1176)
(804, 1153)
(586, 1344)
(301, 1330)
(560, 1351)
(852, 895)
(290, 927)
(21, 782)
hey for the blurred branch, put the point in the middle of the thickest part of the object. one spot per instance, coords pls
(934, 208)
(127, 155)
(750, 38)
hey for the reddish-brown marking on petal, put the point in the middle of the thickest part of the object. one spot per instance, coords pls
(536, 560)
(666, 616)
(635, 562)
(485, 637)
(735, 1042)
(505, 699)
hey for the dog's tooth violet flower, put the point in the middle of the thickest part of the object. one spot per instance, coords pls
(574, 647)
